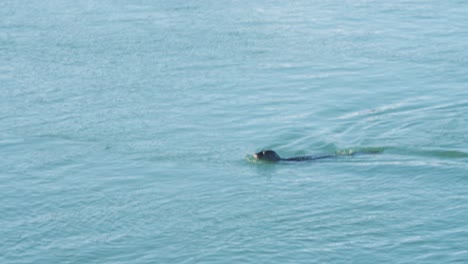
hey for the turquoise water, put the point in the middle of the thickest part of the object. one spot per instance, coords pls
(128, 127)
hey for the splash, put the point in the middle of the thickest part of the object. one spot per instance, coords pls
(366, 150)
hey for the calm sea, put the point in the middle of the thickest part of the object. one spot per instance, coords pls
(127, 130)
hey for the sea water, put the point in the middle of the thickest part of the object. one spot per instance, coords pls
(128, 127)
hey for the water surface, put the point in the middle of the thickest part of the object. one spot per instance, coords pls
(128, 128)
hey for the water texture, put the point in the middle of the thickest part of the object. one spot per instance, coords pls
(128, 127)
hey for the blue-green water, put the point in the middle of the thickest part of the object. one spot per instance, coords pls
(127, 129)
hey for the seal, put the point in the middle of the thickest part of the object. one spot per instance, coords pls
(272, 156)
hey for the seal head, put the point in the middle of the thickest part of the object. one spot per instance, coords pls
(267, 155)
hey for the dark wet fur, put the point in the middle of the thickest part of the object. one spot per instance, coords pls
(302, 158)
(270, 155)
